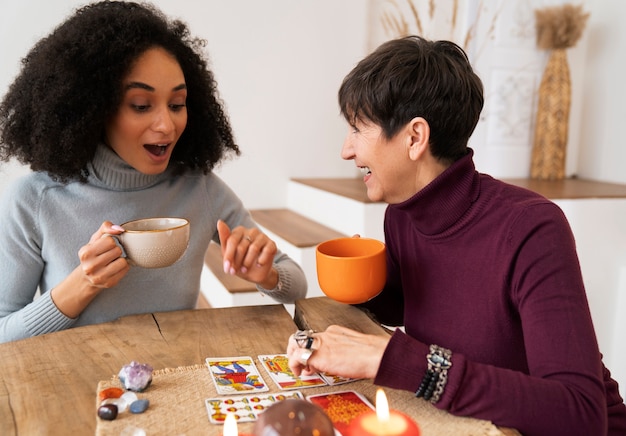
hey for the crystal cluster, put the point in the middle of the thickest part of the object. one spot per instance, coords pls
(136, 376)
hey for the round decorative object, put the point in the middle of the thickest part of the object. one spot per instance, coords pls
(293, 417)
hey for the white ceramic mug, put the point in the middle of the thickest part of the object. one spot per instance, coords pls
(154, 242)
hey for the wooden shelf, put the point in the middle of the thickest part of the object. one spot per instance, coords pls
(353, 188)
(571, 188)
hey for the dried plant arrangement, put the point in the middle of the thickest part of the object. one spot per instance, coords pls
(400, 19)
(558, 28)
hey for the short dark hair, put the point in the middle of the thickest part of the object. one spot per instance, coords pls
(414, 77)
(54, 114)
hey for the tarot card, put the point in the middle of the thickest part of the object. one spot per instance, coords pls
(333, 380)
(246, 408)
(277, 367)
(235, 375)
(342, 407)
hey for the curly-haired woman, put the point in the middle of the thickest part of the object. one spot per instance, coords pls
(118, 116)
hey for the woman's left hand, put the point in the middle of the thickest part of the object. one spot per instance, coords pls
(249, 254)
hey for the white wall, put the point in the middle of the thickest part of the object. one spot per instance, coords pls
(602, 152)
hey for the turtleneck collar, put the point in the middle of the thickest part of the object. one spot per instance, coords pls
(441, 203)
(109, 170)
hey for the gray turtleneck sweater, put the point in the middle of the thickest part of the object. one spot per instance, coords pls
(44, 223)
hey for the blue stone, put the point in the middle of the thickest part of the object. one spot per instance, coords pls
(139, 406)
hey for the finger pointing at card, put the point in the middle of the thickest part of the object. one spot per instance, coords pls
(248, 253)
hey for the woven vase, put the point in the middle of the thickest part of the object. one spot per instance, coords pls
(549, 148)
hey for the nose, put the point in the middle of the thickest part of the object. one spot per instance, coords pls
(347, 150)
(163, 121)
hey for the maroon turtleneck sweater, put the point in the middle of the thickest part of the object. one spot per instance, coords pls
(490, 271)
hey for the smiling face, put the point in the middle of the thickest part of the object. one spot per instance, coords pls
(152, 115)
(394, 169)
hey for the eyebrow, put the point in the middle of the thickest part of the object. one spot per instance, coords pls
(141, 85)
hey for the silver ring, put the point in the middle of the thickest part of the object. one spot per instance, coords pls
(305, 356)
(304, 336)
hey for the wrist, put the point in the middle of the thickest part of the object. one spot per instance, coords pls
(272, 281)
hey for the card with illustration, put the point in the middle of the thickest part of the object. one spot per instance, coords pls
(246, 408)
(235, 375)
(277, 367)
(333, 380)
(342, 407)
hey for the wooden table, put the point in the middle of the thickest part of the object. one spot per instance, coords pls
(48, 384)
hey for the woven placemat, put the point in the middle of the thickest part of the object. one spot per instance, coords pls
(177, 407)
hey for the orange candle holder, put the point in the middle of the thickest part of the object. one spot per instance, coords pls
(383, 422)
(398, 424)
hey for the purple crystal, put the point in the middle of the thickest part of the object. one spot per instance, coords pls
(136, 376)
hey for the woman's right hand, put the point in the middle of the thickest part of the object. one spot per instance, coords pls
(101, 266)
(101, 259)
(339, 351)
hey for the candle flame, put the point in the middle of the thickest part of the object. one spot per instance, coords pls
(230, 425)
(382, 406)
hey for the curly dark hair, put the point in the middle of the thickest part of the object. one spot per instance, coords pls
(54, 114)
(413, 77)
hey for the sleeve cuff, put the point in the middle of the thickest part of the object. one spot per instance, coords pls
(44, 317)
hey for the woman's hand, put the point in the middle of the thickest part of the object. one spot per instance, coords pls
(101, 266)
(101, 259)
(249, 254)
(338, 351)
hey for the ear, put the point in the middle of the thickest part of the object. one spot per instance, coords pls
(418, 137)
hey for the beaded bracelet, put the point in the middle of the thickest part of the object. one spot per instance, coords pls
(439, 361)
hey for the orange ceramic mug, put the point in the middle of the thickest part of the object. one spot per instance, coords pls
(351, 270)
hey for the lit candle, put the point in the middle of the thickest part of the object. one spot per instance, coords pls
(230, 425)
(384, 422)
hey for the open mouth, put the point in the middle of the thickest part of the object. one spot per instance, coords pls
(156, 149)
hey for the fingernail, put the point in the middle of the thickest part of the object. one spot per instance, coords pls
(244, 269)
(116, 227)
(232, 271)
(226, 267)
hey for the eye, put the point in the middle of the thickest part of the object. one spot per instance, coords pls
(177, 107)
(140, 107)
